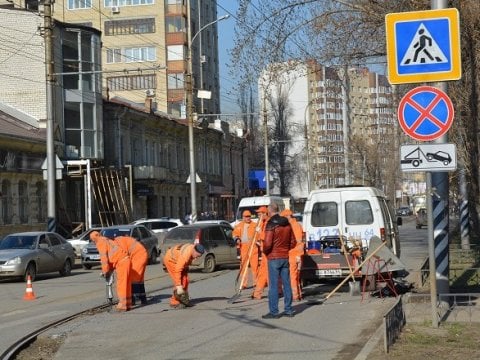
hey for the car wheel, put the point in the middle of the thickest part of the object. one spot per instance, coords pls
(32, 271)
(153, 257)
(66, 269)
(86, 266)
(209, 264)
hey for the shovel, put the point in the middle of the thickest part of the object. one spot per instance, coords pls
(353, 285)
(321, 301)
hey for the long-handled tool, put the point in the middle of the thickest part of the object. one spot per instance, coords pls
(354, 286)
(109, 291)
(242, 274)
(352, 273)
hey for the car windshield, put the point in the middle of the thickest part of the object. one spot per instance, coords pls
(18, 242)
(113, 233)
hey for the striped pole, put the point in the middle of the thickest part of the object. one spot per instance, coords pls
(463, 212)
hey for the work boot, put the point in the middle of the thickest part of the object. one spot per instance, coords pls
(143, 299)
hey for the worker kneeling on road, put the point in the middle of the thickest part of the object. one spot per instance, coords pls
(138, 258)
(177, 260)
(113, 257)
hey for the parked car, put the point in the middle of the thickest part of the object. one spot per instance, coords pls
(421, 218)
(36, 252)
(91, 257)
(82, 240)
(220, 248)
(404, 211)
(159, 226)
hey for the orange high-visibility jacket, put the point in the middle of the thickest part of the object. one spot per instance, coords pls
(238, 230)
(297, 229)
(138, 256)
(111, 254)
(178, 259)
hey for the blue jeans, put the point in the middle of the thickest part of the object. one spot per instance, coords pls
(279, 268)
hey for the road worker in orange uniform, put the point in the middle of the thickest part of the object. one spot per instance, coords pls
(138, 258)
(294, 255)
(113, 257)
(244, 234)
(177, 260)
(262, 274)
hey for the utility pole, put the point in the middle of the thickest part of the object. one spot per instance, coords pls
(265, 137)
(51, 165)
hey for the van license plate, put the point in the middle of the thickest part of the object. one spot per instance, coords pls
(329, 272)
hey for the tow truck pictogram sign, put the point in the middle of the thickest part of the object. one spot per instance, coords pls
(428, 157)
(423, 46)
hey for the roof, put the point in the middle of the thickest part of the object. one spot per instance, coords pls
(13, 127)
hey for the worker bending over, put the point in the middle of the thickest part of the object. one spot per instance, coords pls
(177, 261)
(113, 257)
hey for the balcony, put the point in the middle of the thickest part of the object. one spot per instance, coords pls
(175, 9)
(176, 38)
(149, 172)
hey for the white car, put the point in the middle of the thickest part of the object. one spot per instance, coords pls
(81, 241)
(160, 225)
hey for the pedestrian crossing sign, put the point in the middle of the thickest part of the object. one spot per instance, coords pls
(423, 46)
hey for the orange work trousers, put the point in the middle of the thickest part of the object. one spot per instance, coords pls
(253, 263)
(295, 277)
(124, 286)
(184, 280)
(262, 279)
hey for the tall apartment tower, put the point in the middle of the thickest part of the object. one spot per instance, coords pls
(341, 123)
(145, 48)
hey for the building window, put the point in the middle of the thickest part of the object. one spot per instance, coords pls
(110, 3)
(138, 54)
(134, 54)
(175, 81)
(6, 202)
(23, 202)
(131, 26)
(41, 199)
(133, 82)
(176, 52)
(174, 24)
(79, 4)
(114, 56)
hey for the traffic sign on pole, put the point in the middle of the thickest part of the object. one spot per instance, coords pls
(425, 113)
(423, 46)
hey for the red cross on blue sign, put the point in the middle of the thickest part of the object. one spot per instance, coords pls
(425, 113)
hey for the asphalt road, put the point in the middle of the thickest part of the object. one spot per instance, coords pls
(213, 328)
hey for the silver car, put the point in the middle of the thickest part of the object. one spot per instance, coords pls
(36, 252)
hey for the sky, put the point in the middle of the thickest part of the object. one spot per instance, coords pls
(225, 43)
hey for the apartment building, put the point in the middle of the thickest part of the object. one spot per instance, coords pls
(145, 49)
(338, 120)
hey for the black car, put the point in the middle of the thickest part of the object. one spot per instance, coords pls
(404, 211)
(91, 257)
(220, 248)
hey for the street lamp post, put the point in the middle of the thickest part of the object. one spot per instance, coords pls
(189, 108)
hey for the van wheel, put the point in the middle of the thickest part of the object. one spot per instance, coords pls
(209, 264)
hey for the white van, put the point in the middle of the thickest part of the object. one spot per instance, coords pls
(356, 213)
(253, 203)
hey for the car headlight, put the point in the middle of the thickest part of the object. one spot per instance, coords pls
(15, 261)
